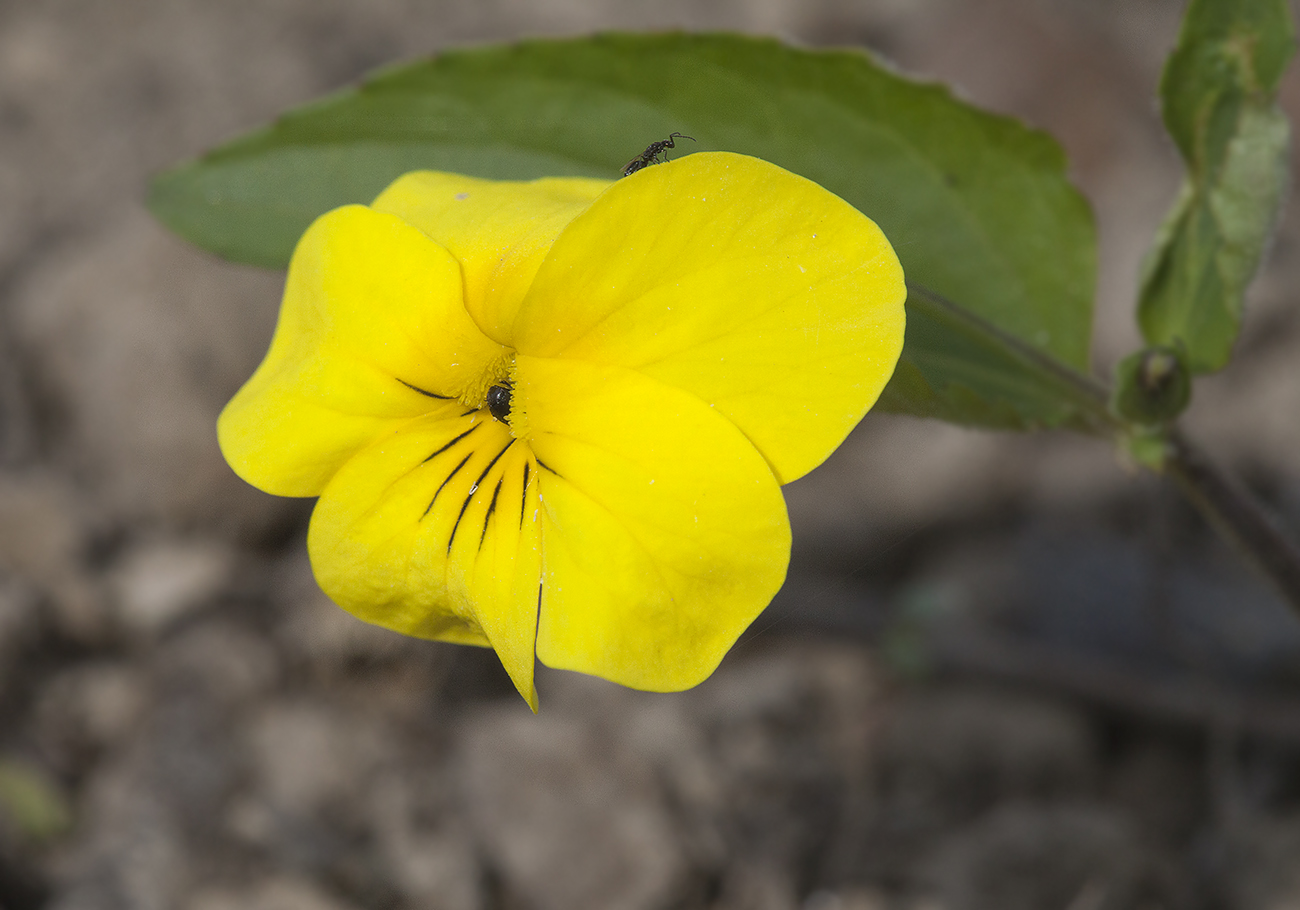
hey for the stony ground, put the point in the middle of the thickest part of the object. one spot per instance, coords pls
(1006, 674)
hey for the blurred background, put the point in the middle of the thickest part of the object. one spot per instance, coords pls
(1006, 672)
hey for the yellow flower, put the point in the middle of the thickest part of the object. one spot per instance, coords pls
(553, 417)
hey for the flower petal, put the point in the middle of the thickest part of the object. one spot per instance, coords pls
(664, 533)
(499, 230)
(767, 296)
(432, 531)
(372, 330)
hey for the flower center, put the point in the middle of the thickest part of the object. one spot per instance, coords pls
(495, 391)
(500, 372)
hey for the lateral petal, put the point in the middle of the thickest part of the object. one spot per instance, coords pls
(432, 531)
(664, 533)
(499, 231)
(372, 331)
(759, 291)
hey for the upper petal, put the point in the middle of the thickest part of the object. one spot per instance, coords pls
(499, 230)
(755, 289)
(372, 330)
(664, 533)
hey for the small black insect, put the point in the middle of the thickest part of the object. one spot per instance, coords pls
(498, 400)
(652, 152)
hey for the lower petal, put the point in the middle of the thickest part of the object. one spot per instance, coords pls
(431, 531)
(664, 533)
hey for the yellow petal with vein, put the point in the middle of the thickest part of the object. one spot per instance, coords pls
(664, 533)
(499, 230)
(432, 531)
(371, 329)
(757, 290)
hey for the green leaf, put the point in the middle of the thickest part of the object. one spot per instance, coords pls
(976, 205)
(1218, 92)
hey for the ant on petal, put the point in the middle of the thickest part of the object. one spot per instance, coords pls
(652, 152)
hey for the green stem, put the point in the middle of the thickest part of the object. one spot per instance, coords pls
(1224, 502)
(1236, 514)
